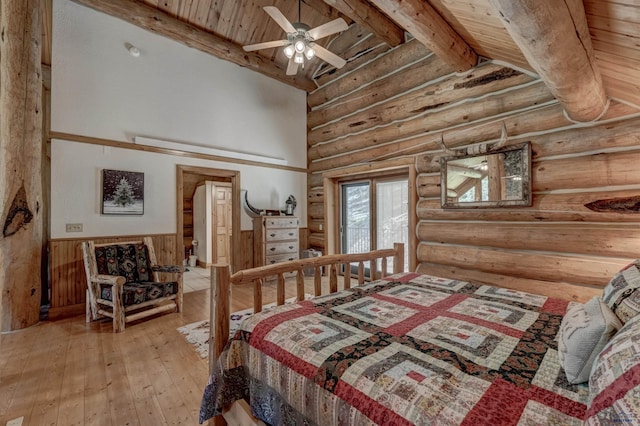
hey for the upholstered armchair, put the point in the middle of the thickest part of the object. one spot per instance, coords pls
(123, 282)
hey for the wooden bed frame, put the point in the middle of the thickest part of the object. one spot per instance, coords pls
(222, 280)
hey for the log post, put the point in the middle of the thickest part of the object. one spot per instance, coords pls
(20, 163)
(427, 26)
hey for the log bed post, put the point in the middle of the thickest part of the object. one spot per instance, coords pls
(398, 258)
(21, 202)
(317, 281)
(221, 281)
(219, 312)
(300, 285)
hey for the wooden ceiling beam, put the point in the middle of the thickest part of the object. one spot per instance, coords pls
(425, 23)
(371, 18)
(554, 37)
(327, 11)
(159, 22)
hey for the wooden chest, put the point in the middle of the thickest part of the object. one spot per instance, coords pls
(275, 239)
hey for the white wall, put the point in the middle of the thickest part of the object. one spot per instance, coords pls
(76, 189)
(170, 92)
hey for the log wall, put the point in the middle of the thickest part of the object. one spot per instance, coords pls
(405, 102)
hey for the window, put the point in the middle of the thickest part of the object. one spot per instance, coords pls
(374, 215)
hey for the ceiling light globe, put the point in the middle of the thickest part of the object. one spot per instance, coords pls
(299, 45)
(298, 59)
(310, 53)
(289, 51)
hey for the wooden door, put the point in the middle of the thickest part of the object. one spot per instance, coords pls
(222, 225)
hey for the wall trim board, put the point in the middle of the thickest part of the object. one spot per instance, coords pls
(176, 153)
(375, 167)
(106, 237)
(66, 311)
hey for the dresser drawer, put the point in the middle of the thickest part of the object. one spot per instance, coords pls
(281, 234)
(281, 248)
(280, 222)
(277, 258)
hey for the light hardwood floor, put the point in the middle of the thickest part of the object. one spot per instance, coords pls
(68, 372)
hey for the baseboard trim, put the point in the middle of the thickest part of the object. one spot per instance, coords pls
(66, 311)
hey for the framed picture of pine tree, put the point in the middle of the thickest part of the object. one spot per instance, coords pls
(122, 192)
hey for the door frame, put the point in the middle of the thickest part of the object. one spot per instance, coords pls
(332, 181)
(234, 176)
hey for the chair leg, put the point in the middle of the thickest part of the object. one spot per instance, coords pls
(118, 310)
(179, 296)
(88, 308)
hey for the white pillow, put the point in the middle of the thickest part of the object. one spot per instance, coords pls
(584, 331)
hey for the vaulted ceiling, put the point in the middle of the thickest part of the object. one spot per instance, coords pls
(472, 29)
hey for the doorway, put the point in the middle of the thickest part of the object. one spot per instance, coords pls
(332, 188)
(188, 178)
(374, 214)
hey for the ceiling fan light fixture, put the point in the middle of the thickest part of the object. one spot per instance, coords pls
(310, 53)
(289, 51)
(299, 45)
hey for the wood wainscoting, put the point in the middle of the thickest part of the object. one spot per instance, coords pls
(68, 281)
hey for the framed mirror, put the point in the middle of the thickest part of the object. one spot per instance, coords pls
(498, 178)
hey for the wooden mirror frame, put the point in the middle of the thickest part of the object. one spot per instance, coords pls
(525, 200)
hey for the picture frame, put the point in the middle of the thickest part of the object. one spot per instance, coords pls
(495, 178)
(122, 192)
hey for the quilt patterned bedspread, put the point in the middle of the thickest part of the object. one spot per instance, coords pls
(407, 349)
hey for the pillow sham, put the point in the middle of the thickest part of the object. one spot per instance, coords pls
(614, 384)
(622, 294)
(584, 331)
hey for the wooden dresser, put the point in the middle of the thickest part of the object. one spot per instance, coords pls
(275, 239)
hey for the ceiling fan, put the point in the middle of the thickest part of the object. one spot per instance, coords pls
(300, 41)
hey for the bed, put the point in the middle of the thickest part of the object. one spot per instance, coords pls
(410, 348)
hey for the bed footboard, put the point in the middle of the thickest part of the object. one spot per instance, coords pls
(222, 280)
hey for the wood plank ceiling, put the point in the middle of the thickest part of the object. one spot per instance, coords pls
(614, 26)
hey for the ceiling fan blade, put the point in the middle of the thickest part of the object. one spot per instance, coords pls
(329, 57)
(327, 29)
(280, 19)
(265, 45)
(292, 67)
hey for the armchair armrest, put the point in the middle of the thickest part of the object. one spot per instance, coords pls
(172, 269)
(108, 279)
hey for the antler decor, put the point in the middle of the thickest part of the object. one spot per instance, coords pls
(288, 211)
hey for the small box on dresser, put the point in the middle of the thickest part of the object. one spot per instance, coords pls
(275, 240)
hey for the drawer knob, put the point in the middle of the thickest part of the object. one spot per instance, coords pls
(291, 234)
(290, 247)
(272, 249)
(272, 235)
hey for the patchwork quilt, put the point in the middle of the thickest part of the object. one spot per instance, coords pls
(407, 349)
